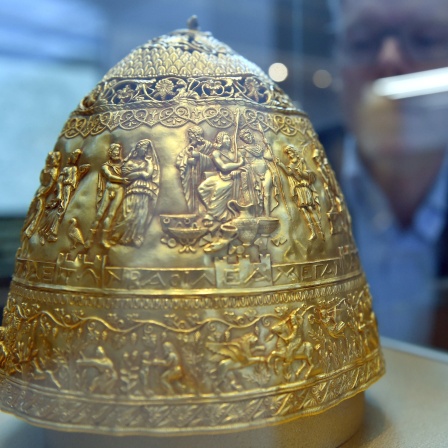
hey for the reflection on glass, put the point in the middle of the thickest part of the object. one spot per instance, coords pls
(393, 163)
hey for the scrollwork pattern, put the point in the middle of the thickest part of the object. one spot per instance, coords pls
(163, 90)
(166, 91)
(219, 117)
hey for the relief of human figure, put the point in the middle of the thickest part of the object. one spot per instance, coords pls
(331, 187)
(106, 375)
(302, 190)
(261, 184)
(67, 183)
(141, 171)
(110, 194)
(193, 162)
(130, 372)
(48, 230)
(48, 179)
(173, 372)
(147, 378)
(70, 177)
(292, 347)
(217, 190)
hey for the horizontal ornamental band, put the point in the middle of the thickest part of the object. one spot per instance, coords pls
(54, 410)
(174, 116)
(163, 90)
(218, 367)
(82, 272)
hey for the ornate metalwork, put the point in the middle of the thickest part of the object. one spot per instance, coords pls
(286, 360)
(187, 263)
(219, 117)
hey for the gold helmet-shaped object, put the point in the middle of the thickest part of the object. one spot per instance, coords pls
(187, 265)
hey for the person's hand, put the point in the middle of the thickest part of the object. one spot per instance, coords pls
(133, 176)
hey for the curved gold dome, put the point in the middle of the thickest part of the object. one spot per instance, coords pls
(184, 53)
(187, 264)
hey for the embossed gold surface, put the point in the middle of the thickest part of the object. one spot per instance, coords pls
(187, 264)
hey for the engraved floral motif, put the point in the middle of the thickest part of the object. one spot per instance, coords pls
(163, 89)
(156, 90)
(256, 90)
(125, 94)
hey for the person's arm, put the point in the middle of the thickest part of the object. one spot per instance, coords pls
(111, 176)
(145, 173)
(267, 154)
(286, 169)
(226, 166)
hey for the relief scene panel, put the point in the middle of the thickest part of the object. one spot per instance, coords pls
(235, 193)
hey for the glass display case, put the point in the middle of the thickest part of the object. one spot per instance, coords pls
(323, 57)
(368, 75)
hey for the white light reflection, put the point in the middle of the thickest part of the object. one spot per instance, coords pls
(278, 72)
(413, 84)
(322, 79)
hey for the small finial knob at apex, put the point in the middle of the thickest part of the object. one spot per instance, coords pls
(192, 23)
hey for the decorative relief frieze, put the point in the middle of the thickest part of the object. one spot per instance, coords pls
(309, 354)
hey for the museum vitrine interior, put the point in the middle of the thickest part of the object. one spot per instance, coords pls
(213, 214)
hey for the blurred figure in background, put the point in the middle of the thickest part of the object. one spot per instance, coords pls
(392, 162)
